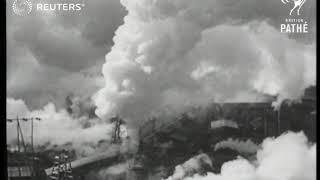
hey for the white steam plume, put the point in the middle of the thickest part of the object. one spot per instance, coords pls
(287, 157)
(190, 167)
(58, 127)
(171, 54)
(118, 171)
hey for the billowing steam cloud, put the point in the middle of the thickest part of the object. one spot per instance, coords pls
(192, 166)
(172, 54)
(288, 157)
(87, 136)
(112, 172)
(80, 106)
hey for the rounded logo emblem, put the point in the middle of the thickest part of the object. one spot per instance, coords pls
(297, 4)
(22, 7)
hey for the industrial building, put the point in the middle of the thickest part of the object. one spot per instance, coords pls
(168, 144)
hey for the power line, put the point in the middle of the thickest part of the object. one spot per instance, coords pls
(31, 164)
(19, 130)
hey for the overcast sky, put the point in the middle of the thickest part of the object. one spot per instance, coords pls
(52, 56)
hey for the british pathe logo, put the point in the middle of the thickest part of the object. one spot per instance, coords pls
(295, 23)
(22, 7)
(297, 4)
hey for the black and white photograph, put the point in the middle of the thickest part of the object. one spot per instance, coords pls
(161, 90)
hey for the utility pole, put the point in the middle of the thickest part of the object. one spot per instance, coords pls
(32, 127)
(19, 130)
(20, 135)
(32, 150)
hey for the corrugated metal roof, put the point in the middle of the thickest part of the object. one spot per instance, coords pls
(23, 171)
